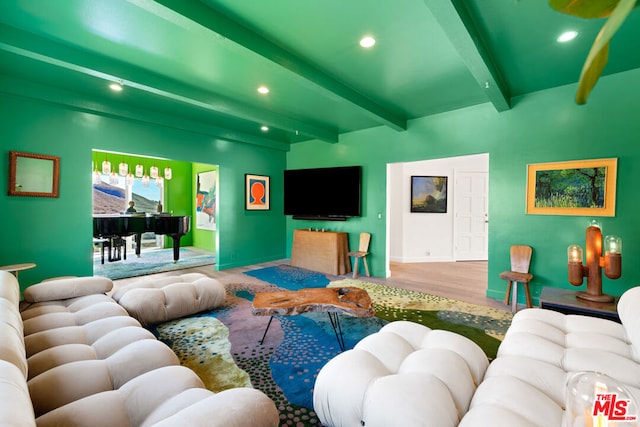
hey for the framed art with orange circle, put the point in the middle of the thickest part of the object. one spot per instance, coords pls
(257, 196)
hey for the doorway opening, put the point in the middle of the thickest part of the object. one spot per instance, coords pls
(458, 234)
(170, 194)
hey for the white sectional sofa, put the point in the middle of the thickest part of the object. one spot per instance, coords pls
(74, 357)
(408, 374)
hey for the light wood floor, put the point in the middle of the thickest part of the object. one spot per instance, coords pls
(463, 281)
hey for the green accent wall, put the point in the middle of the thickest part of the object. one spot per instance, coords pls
(542, 127)
(56, 234)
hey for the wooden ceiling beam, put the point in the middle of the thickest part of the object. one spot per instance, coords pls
(455, 20)
(208, 17)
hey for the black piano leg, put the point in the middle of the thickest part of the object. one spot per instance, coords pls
(176, 247)
(138, 238)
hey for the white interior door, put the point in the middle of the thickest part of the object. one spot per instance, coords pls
(471, 207)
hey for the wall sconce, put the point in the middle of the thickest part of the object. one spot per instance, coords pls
(611, 261)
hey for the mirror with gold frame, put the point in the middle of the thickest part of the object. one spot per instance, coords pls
(33, 175)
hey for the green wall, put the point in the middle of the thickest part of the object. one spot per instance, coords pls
(56, 234)
(542, 127)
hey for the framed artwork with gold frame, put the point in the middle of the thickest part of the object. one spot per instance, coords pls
(579, 187)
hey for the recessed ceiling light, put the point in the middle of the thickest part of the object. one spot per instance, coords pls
(116, 87)
(264, 128)
(567, 36)
(367, 41)
(263, 90)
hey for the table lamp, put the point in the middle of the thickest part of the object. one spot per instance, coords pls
(611, 260)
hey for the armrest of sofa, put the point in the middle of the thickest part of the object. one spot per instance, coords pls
(234, 407)
(15, 403)
(167, 396)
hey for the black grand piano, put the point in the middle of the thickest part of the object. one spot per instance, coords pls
(119, 226)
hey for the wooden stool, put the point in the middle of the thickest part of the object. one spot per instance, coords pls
(361, 253)
(513, 278)
(520, 259)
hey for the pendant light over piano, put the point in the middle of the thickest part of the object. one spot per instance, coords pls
(106, 167)
(113, 178)
(123, 169)
(112, 172)
(97, 179)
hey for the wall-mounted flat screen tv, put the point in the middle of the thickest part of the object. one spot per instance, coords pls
(323, 193)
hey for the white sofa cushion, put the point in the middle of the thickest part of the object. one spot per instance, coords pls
(405, 374)
(154, 300)
(65, 288)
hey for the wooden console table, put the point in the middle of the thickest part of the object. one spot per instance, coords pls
(565, 301)
(323, 251)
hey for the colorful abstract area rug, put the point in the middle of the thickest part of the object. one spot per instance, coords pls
(151, 262)
(223, 345)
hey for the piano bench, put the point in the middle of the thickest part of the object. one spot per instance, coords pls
(117, 245)
(102, 243)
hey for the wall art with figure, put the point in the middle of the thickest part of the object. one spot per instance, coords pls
(257, 196)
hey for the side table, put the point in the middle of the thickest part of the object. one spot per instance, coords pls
(15, 268)
(565, 301)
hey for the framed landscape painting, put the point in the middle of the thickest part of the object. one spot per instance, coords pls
(580, 187)
(429, 194)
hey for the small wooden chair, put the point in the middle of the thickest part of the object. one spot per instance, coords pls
(520, 260)
(362, 252)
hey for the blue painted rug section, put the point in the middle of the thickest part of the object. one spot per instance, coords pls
(309, 340)
(309, 343)
(291, 278)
